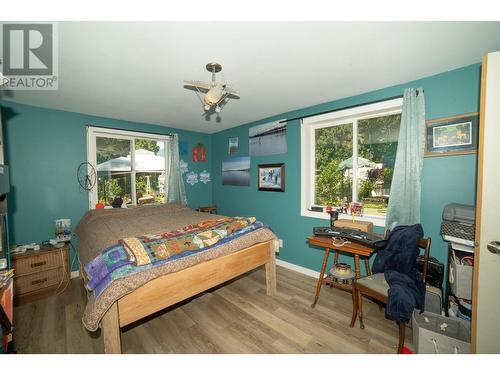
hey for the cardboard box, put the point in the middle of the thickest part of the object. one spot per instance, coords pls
(365, 226)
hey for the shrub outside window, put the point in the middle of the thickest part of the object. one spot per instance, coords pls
(348, 159)
(129, 165)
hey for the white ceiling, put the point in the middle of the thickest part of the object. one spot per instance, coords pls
(134, 71)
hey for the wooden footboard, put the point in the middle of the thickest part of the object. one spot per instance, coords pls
(172, 288)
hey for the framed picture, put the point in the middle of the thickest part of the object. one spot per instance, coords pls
(268, 139)
(199, 153)
(183, 147)
(271, 177)
(233, 146)
(455, 135)
(236, 171)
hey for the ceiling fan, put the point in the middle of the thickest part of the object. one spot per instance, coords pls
(212, 94)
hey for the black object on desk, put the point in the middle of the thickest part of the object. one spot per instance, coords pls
(334, 215)
(373, 240)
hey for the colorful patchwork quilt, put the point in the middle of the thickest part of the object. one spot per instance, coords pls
(136, 254)
(150, 248)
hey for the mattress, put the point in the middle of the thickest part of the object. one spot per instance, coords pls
(100, 229)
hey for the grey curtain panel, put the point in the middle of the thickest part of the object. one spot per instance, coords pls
(176, 192)
(404, 200)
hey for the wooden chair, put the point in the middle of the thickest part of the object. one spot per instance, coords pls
(377, 288)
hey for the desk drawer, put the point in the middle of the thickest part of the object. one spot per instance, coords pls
(40, 280)
(39, 262)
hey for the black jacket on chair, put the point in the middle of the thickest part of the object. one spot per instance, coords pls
(398, 263)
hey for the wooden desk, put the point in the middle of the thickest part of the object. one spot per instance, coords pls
(356, 249)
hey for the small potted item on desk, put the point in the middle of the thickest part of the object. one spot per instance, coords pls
(356, 209)
(344, 206)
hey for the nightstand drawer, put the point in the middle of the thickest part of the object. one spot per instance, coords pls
(39, 262)
(39, 274)
(40, 280)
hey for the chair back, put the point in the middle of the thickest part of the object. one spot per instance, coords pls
(425, 243)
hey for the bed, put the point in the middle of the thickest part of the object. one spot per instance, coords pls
(128, 299)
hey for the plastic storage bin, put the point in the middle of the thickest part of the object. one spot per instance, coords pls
(437, 334)
(460, 275)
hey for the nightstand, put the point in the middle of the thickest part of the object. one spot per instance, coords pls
(41, 273)
(209, 209)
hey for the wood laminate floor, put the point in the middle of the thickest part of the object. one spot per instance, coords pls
(236, 317)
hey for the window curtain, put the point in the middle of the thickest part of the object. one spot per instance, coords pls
(176, 192)
(404, 200)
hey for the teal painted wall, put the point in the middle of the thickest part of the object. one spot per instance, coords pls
(44, 148)
(445, 179)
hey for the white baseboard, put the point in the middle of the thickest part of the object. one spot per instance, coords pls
(75, 274)
(300, 269)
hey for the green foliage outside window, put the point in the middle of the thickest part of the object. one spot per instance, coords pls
(113, 188)
(116, 182)
(147, 144)
(110, 148)
(377, 142)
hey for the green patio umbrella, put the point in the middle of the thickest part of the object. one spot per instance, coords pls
(362, 162)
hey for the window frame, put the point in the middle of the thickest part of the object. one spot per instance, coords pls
(308, 128)
(96, 131)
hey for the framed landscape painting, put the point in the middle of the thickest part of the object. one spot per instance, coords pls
(271, 177)
(455, 135)
(268, 139)
(236, 171)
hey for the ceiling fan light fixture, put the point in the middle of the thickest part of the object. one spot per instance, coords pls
(211, 94)
(214, 95)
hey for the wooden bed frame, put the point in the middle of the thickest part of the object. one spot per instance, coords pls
(172, 288)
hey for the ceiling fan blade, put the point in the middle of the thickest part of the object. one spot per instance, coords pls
(198, 84)
(232, 93)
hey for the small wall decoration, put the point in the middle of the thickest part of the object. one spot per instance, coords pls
(205, 177)
(233, 146)
(268, 139)
(271, 177)
(183, 166)
(191, 178)
(63, 230)
(183, 147)
(236, 171)
(199, 153)
(455, 135)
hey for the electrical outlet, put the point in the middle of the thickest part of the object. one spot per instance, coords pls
(281, 243)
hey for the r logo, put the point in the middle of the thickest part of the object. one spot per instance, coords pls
(27, 49)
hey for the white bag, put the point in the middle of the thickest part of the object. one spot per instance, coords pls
(436, 334)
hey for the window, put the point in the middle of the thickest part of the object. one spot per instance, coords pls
(130, 165)
(348, 157)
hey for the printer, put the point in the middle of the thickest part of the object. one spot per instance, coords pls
(458, 226)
